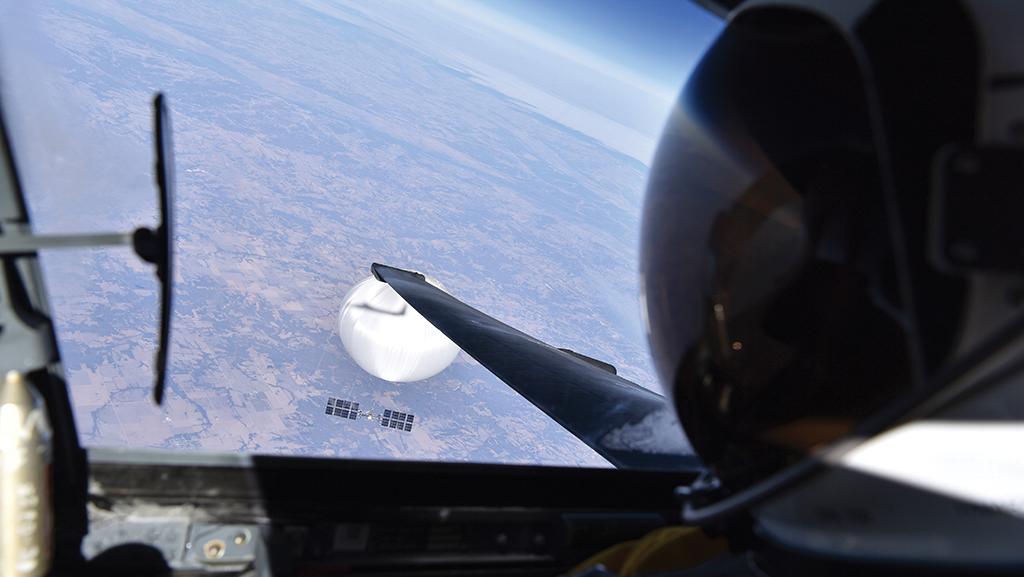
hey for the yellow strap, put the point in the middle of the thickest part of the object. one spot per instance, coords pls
(666, 549)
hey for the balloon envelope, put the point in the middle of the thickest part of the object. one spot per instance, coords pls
(388, 338)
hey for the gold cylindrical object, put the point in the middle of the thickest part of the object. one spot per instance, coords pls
(25, 495)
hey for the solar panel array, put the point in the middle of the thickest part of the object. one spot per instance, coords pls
(388, 419)
(395, 420)
(343, 409)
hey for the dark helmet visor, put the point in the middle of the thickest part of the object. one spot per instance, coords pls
(765, 257)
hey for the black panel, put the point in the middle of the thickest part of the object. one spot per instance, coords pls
(557, 516)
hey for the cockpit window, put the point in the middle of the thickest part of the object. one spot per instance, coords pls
(499, 150)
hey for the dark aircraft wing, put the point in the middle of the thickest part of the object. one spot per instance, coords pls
(624, 422)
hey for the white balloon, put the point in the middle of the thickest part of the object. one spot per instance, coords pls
(388, 338)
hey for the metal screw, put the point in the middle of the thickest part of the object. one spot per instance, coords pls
(214, 549)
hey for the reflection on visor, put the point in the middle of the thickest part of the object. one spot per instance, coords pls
(769, 281)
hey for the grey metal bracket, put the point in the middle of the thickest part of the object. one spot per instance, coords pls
(27, 243)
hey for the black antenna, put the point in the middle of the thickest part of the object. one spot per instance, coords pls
(156, 246)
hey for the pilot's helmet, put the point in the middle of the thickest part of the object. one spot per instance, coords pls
(833, 234)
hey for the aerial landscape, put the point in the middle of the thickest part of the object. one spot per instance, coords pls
(312, 139)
